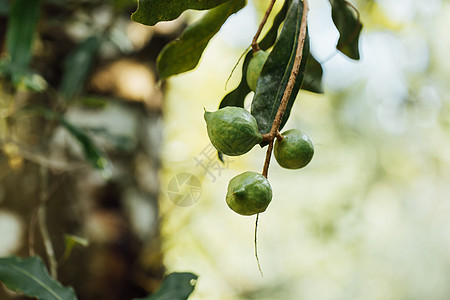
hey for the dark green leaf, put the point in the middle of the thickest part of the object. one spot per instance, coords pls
(237, 96)
(176, 286)
(184, 53)
(346, 19)
(23, 18)
(91, 152)
(277, 70)
(30, 276)
(77, 66)
(313, 76)
(150, 12)
(271, 35)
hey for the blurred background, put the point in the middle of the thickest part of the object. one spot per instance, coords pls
(366, 219)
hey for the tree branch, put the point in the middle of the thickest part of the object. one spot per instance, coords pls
(255, 46)
(288, 91)
(267, 161)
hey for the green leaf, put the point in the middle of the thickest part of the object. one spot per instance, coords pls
(237, 96)
(176, 286)
(150, 12)
(91, 152)
(271, 35)
(30, 276)
(184, 53)
(23, 18)
(347, 21)
(77, 66)
(277, 70)
(313, 76)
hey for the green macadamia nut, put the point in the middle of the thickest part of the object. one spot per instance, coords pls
(232, 130)
(249, 193)
(295, 150)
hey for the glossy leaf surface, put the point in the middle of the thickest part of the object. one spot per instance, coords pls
(313, 76)
(184, 53)
(150, 12)
(277, 70)
(346, 19)
(30, 276)
(176, 286)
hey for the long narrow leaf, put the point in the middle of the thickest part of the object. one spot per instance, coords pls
(184, 53)
(150, 12)
(277, 70)
(23, 18)
(30, 276)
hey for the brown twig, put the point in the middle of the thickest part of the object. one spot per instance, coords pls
(255, 46)
(267, 161)
(279, 136)
(288, 91)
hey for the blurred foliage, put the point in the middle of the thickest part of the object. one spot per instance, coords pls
(79, 106)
